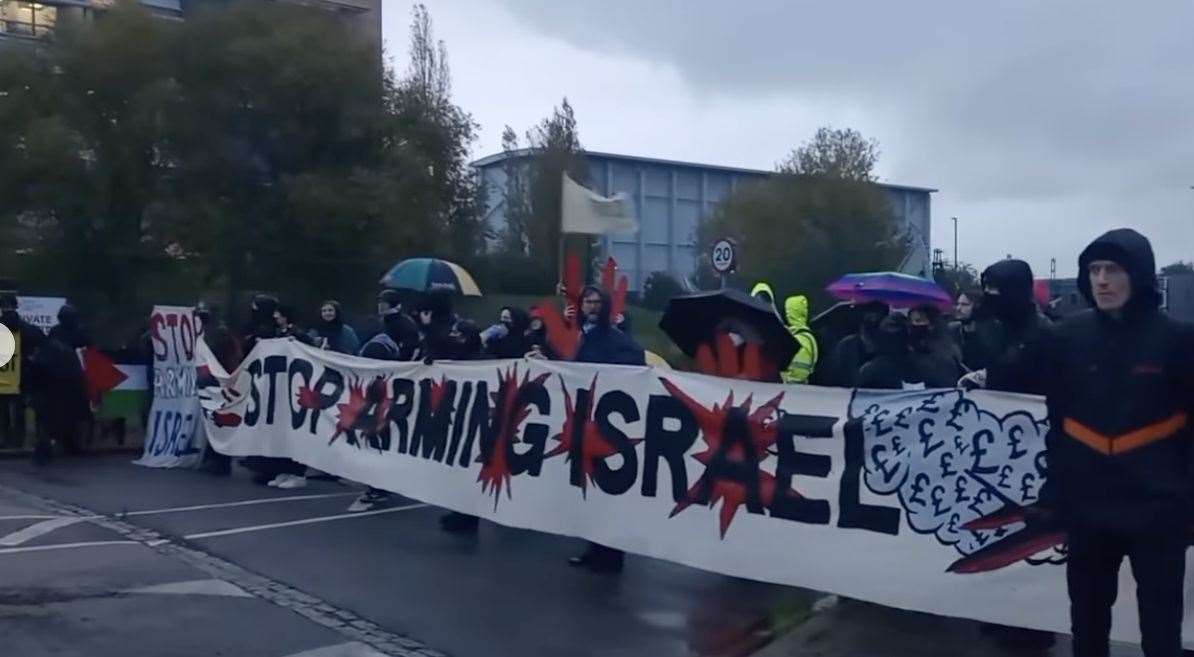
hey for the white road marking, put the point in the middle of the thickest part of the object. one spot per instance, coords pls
(305, 521)
(224, 505)
(196, 587)
(28, 517)
(352, 649)
(33, 531)
(63, 546)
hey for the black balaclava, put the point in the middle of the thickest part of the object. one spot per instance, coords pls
(1013, 279)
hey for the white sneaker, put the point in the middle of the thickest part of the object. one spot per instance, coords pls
(293, 481)
(370, 499)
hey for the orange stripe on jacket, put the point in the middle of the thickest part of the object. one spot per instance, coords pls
(1125, 442)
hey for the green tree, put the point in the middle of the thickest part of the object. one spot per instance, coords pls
(80, 155)
(253, 146)
(800, 233)
(555, 150)
(957, 279)
(515, 198)
(1178, 268)
(658, 289)
(832, 153)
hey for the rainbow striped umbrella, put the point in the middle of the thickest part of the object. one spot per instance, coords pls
(894, 289)
(431, 275)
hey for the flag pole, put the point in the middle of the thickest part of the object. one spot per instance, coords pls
(560, 237)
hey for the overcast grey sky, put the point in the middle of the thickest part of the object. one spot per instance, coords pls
(1041, 123)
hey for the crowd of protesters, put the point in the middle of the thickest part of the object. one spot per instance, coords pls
(1118, 382)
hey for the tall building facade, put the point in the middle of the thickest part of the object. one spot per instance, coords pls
(25, 22)
(672, 198)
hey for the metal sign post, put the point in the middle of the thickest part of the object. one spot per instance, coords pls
(724, 259)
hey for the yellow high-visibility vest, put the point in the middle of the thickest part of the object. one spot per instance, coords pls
(10, 372)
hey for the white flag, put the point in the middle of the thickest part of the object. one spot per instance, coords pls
(582, 211)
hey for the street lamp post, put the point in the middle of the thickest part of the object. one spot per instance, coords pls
(955, 244)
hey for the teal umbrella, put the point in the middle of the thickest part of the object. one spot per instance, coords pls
(431, 275)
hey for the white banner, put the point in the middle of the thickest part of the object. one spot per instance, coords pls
(906, 499)
(41, 312)
(174, 435)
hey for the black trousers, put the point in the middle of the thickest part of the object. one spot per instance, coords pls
(12, 420)
(1092, 573)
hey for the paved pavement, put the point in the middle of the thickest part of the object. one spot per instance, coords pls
(859, 629)
(100, 557)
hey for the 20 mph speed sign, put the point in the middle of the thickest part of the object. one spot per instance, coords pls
(723, 256)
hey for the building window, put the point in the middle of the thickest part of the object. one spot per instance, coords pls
(28, 19)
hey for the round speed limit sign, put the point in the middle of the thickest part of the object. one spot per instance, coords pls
(723, 256)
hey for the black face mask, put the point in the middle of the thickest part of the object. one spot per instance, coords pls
(919, 334)
(1000, 305)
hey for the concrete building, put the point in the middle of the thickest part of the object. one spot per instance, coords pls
(24, 22)
(672, 198)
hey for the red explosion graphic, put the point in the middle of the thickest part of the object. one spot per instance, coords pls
(594, 446)
(1010, 550)
(437, 392)
(354, 413)
(508, 415)
(761, 432)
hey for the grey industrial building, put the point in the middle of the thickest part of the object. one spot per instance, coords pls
(672, 198)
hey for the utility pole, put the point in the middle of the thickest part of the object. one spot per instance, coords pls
(955, 244)
(1052, 268)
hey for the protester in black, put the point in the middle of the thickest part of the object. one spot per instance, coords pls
(398, 341)
(508, 338)
(853, 351)
(600, 342)
(1008, 319)
(1006, 325)
(284, 318)
(1119, 387)
(12, 407)
(466, 345)
(332, 333)
(61, 402)
(226, 348)
(964, 328)
(891, 367)
(435, 320)
(264, 324)
(937, 357)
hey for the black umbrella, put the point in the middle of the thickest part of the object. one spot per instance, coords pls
(695, 319)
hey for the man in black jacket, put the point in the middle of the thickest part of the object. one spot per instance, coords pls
(1119, 383)
(1008, 320)
(1006, 327)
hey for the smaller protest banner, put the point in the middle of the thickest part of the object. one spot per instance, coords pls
(174, 437)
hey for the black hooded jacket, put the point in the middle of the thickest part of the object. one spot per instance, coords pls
(1006, 323)
(515, 343)
(1119, 392)
(602, 343)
